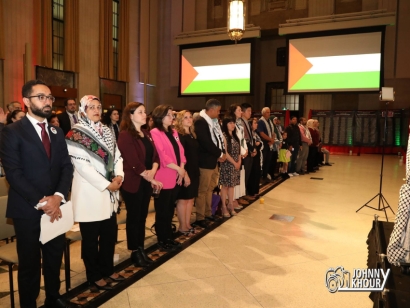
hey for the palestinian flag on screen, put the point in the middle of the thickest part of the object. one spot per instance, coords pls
(220, 69)
(333, 66)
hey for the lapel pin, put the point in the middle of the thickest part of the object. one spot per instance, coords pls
(53, 130)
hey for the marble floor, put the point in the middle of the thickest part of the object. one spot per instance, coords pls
(253, 261)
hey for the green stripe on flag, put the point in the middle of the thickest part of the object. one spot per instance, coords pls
(356, 80)
(218, 86)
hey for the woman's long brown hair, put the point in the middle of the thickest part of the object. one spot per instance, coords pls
(126, 123)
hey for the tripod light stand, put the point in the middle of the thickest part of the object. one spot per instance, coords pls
(383, 204)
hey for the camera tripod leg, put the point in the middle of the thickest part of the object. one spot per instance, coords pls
(388, 205)
(366, 204)
(384, 207)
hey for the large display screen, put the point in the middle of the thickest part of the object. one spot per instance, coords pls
(222, 69)
(338, 63)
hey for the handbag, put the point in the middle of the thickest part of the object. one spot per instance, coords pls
(216, 202)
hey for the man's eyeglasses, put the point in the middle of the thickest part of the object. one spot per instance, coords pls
(43, 98)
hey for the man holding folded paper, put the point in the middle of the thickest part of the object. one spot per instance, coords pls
(35, 157)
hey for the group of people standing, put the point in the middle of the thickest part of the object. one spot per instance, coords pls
(298, 147)
(169, 154)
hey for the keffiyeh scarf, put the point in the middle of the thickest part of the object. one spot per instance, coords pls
(398, 250)
(93, 137)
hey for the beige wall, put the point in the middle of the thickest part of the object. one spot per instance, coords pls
(320, 7)
(403, 40)
(201, 7)
(135, 89)
(18, 30)
(88, 78)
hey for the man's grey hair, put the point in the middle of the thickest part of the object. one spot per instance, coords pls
(212, 103)
(265, 109)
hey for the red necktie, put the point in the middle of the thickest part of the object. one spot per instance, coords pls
(75, 119)
(45, 139)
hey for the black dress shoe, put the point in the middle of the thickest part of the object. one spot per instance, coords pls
(166, 247)
(202, 223)
(144, 255)
(212, 218)
(106, 287)
(174, 243)
(138, 259)
(61, 303)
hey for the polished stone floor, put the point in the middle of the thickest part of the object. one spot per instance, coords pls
(253, 261)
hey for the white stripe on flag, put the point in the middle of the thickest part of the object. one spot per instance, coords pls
(345, 64)
(219, 72)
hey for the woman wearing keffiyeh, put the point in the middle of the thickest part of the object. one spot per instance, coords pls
(98, 175)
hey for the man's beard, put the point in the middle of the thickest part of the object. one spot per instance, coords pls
(41, 112)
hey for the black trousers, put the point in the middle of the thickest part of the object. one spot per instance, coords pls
(267, 160)
(97, 247)
(320, 157)
(164, 211)
(247, 164)
(30, 251)
(293, 159)
(137, 210)
(273, 164)
(312, 158)
(252, 188)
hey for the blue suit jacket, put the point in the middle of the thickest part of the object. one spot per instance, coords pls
(30, 173)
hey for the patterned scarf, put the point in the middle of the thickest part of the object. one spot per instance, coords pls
(398, 250)
(246, 130)
(93, 137)
(215, 130)
(269, 128)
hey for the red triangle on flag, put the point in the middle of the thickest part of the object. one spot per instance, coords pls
(298, 66)
(188, 74)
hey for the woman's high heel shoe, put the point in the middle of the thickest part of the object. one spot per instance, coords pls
(117, 279)
(231, 210)
(225, 212)
(105, 287)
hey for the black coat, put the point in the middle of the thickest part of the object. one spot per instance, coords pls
(208, 151)
(293, 138)
(30, 173)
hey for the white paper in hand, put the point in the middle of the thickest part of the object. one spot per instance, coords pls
(51, 230)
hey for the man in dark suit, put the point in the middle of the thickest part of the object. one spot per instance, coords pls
(68, 118)
(211, 150)
(38, 169)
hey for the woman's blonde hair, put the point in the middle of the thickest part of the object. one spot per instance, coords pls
(178, 123)
(310, 122)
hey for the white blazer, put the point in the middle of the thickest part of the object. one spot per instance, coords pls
(89, 195)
